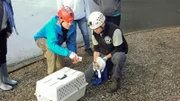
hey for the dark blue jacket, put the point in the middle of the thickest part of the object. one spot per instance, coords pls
(1, 17)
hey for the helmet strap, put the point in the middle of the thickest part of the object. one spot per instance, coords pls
(61, 23)
(102, 27)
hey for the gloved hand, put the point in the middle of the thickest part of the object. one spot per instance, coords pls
(105, 59)
(73, 56)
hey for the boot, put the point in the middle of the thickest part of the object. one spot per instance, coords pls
(10, 81)
(113, 87)
(3, 86)
(6, 78)
(89, 51)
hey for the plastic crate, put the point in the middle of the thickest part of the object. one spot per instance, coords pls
(63, 85)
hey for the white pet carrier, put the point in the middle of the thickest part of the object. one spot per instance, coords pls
(63, 85)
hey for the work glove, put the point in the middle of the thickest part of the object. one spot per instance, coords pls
(105, 59)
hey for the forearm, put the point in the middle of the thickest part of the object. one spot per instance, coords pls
(96, 55)
(55, 48)
(71, 42)
(108, 56)
(72, 47)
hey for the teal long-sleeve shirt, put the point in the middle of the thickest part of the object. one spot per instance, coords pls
(52, 32)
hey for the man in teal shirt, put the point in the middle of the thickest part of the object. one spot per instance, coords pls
(49, 39)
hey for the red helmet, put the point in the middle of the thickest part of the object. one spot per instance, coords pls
(66, 14)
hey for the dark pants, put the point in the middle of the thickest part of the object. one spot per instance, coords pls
(115, 64)
(3, 46)
(114, 19)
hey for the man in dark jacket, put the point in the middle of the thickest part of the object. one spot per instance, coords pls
(109, 42)
(111, 9)
(6, 26)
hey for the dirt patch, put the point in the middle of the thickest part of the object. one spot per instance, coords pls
(151, 73)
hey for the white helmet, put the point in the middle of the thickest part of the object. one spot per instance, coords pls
(96, 19)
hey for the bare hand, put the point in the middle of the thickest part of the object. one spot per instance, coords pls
(8, 34)
(75, 59)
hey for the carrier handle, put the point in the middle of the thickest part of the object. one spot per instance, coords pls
(62, 77)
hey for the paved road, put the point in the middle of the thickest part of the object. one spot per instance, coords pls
(148, 14)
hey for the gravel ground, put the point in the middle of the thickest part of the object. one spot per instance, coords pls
(151, 73)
